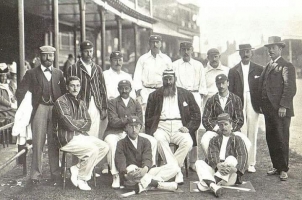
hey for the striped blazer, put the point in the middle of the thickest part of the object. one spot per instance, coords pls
(213, 108)
(70, 117)
(90, 86)
(235, 147)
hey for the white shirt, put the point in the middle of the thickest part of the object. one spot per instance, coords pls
(170, 108)
(223, 147)
(112, 78)
(223, 100)
(134, 142)
(190, 75)
(149, 70)
(126, 101)
(88, 67)
(211, 74)
(245, 71)
(47, 74)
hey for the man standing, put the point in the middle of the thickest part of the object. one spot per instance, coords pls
(93, 88)
(119, 112)
(191, 76)
(226, 161)
(133, 161)
(71, 123)
(244, 82)
(149, 69)
(46, 84)
(213, 68)
(115, 74)
(172, 116)
(278, 88)
(67, 64)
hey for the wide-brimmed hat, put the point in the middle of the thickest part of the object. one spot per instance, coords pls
(275, 40)
(245, 47)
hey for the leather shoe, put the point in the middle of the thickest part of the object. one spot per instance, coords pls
(283, 176)
(273, 171)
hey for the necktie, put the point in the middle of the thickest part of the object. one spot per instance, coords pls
(47, 70)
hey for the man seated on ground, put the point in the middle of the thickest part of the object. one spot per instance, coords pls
(133, 161)
(226, 161)
(173, 116)
(222, 102)
(119, 112)
(71, 123)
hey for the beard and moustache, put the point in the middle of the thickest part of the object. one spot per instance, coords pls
(169, 90)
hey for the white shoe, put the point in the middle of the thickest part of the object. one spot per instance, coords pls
(179, 178)
(83, 185)
(116, 181)
(202, 186)
(251, 169)
(74, 170)
(216, 189)
(169, 186)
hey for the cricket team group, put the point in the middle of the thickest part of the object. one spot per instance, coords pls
(130, 122)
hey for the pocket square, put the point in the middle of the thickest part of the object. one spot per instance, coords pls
(184, 103)
(256, 76)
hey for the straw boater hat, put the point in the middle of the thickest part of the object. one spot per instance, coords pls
(245, 47)
(275, 40)
(3, 68)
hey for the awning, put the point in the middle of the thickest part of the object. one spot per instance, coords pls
(165, 30)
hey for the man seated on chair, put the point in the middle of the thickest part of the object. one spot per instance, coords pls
(173, 116)
(226, 161)
(133, 159)
(119, 112)
(222, 102)
(71, 123)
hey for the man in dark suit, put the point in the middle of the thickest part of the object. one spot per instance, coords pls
(46, 84)
(173, 116)
(278, 88)
(243, 82)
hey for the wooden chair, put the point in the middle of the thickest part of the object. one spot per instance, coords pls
(5, 133)
(175, 147)
(64, 169)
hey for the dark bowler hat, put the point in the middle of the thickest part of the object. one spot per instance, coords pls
(86, 45)
(221, 78)
(116, 54)
(155, 38)
(213, 51)
(185, 45)
(223, 117)
(47, 49)
(168, 72)
(245, 47)
(124, 83)
(3, 68)
(275, 40)
(134, 120)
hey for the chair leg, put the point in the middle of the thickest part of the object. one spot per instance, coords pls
(64, 169)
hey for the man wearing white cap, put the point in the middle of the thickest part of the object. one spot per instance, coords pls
(149, 69)
(46, 84)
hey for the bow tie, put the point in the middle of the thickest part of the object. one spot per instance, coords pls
(47, 70)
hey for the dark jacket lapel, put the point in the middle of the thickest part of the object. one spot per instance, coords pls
(239, 70)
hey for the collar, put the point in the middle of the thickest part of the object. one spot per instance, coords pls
(85, 63)
(135, 141)
(276, 59)
(182, 61)
(72, 97)
(43, 68)
(209, 67)
(246, 65)
(114, 72)
(227, 96)
(159, 54)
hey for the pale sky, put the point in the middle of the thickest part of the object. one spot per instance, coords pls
(246, 21)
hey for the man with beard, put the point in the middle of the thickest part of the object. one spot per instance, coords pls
(115, 74)
(226, 161)
(190, 76)
(243, 82)
(172, 116)
(46, 84)
(213, 68)
(119, 112)
(277, 89)
(93, 89)
(149, 69)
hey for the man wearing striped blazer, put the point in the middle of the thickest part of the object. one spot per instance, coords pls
(71, 122)
(93, 88)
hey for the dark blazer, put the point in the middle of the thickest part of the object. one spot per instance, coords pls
(235, 147)
(126, 154)
(280, 85)
(189, 110)
(33, 82)
(236, 83)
